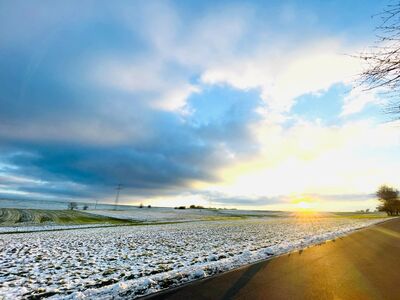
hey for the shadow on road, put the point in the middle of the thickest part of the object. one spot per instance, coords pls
(243, 280)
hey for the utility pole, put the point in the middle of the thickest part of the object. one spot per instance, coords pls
(95, 206)
(118, 188)
(209, 201)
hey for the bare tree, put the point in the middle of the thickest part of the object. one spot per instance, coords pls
(72, 205)
(382, 70)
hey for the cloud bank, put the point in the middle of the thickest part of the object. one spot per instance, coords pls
(170, 99)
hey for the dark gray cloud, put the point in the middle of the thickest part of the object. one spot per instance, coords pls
(71, 137)
(173, 154)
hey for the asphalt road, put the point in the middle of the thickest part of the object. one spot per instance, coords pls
(362, 265)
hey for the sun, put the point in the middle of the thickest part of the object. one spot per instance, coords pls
(304, 205)
(305, 208)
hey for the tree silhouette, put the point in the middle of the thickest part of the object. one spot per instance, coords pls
(389, 198)
(72, 205)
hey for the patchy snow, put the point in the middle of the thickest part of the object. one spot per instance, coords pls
(120, 262)
(155, 214)
(50, 227)
(166, 214)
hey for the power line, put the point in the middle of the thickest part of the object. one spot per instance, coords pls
(118, 188)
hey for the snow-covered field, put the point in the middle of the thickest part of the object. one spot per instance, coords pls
(165, 214)
(116, 262)
(47, 227)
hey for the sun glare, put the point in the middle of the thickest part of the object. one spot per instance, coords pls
(305, 208)
(304, 205)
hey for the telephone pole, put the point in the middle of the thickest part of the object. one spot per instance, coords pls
(118, 188)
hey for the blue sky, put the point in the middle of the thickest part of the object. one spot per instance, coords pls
(247, 104)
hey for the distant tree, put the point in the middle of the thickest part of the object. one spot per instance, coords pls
(367, 210)
(141, 205)
(196, 206)
(389, 198)
(72, 205)
(181, 207)
(383, 61)
(85, 207)
(149, 206)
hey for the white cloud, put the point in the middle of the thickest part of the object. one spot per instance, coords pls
(358, 99)
(211, 45)
(284, 74)
(166, 89)
(175, 97)
(177, 52)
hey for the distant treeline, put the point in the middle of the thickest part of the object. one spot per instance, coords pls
(191, 207)
(201, 207)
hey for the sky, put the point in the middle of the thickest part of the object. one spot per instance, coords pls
(246, 104)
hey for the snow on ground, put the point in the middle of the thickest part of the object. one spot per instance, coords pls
(49, 227)
(130, 261)
(165, 214)
(156, 214)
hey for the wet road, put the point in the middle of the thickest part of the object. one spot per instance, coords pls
(362, 265)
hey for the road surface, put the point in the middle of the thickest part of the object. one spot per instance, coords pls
(362, 265)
